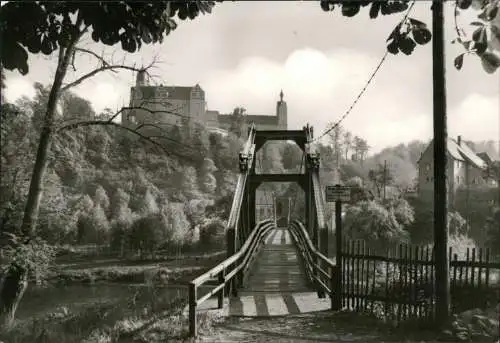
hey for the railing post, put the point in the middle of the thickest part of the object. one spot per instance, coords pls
(193, 297)
(230, 248)
(220, 295)
(240, 274)
(333, 287)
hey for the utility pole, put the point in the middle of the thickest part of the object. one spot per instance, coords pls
(442, 281)
(385, 176)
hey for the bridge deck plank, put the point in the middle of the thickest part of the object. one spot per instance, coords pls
(276, 284)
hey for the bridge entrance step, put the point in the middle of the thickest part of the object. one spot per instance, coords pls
(268, 305)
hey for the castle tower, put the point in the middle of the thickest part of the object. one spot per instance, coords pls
(281, 113)
(141, 79)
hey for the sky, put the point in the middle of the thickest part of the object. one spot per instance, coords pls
(244, 53)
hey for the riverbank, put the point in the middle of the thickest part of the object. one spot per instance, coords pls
(176, 270)
(83, 298)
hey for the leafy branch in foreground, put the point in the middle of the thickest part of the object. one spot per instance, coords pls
(484, 43)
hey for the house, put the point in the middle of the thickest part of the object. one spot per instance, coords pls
(464, 168)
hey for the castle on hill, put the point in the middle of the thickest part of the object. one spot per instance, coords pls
(171, 104)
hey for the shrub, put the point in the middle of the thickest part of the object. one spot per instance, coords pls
(372, 222)
(459, 244)
(212, 233)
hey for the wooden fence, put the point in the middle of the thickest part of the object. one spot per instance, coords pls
(400, 285)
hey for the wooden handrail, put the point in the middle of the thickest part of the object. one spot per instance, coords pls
(237, 263)
(312, 257)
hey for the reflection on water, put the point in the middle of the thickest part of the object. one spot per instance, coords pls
(39, 301)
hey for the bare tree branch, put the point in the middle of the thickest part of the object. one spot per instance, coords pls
(111, 67)
(101, 59)
(131, 130)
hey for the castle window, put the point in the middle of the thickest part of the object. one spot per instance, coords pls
(162, 92)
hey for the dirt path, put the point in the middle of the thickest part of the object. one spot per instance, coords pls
(327, 327)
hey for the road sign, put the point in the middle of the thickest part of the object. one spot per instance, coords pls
(337, 193)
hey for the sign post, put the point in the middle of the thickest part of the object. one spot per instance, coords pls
(338, 194)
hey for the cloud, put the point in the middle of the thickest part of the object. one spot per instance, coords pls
(309, 78)
(102, 94)
(319, 87)
(18, 87)
(477, 118)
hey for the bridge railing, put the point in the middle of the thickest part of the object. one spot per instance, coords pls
(233, 268)
(320, 270)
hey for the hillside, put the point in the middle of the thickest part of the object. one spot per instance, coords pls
(101, 178)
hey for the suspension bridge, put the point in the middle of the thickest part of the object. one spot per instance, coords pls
(271, 270)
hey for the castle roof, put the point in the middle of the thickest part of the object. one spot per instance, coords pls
(173, 92)
(258, 119)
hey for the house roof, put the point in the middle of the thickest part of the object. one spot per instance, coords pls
(469, 155)
(462, 153)
(485, 157)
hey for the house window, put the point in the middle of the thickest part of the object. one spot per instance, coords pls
(458, 164)
(458, 180)
(428, 167)
(427, 179)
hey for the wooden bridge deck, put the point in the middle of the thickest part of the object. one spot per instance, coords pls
(276, 284)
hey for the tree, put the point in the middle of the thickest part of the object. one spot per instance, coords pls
(409, 33)
(60, 26)
(291, 156)
(347, 143)
(336, 139)
(360, 148)
(380, 177)
(238, 122)
(189, 183)
(148, 234)
(208, 182)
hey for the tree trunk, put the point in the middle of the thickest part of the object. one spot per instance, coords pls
(13, 287)
(36, 184)
(16, 280)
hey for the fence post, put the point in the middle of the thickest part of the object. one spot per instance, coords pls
(220, 295)
(192, 310)
(336, 284)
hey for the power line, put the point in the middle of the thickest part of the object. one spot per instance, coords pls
(382, 60)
